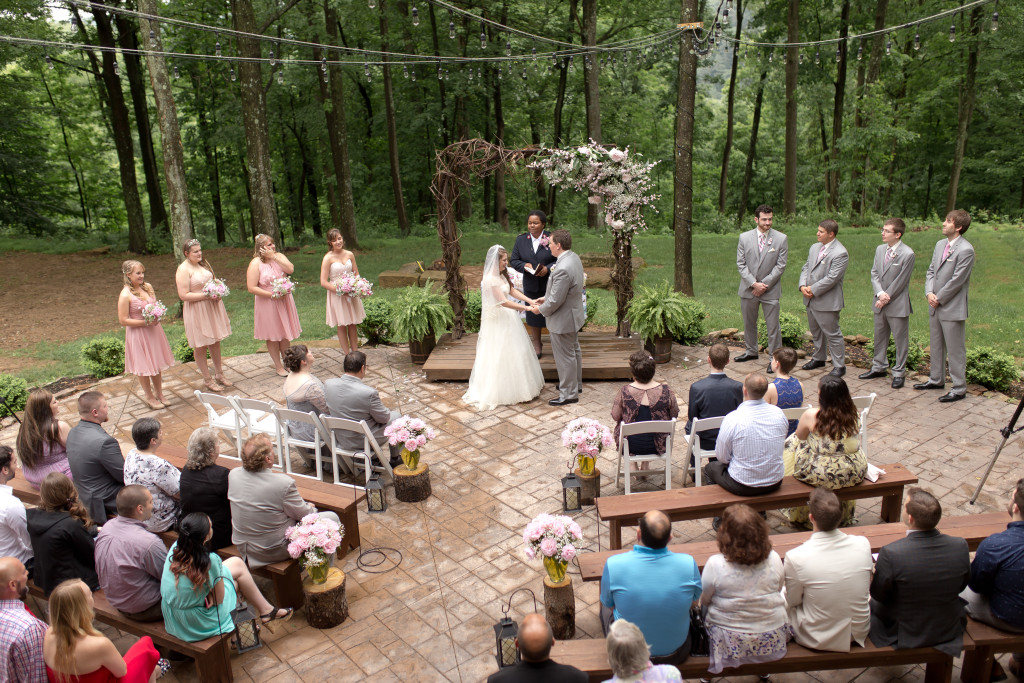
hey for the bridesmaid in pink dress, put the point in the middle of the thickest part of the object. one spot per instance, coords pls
(343, 312)
(42, 438)
(146, 351)
(206, 319)
(276, 320)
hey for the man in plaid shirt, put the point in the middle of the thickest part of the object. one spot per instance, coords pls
(21, 634)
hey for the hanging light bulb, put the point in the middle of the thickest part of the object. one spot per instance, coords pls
(323, 75)
(216, 47)
(440, 73)
(499, 72)
(483, 36)
(995, 17)
(917, 41)
(415, 17)
(888, 45)
(860, 53)
(74, 22)
(405, 71)
(372, 3)
(533, 52)
(177, 74)
(800, 57)
(412, 75)
(785, 57)
(49, 62)
(366, 69)
(152, 39)
(272, 60)
(839, 55)
(952, 32)
(451, 30)
(508, 48)
(817, 55)
(524, 72)
(718, 28)
(771, 56)
(572, 64)
(323, 64)
(234, 76)
(470, 74)
(479, 73)
(280, 77)
(725, 15)
(117, 67)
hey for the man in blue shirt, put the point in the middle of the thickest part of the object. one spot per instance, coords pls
(653, 587)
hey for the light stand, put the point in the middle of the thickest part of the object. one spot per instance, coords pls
(1007, 432)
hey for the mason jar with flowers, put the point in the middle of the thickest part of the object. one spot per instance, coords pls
(312, 542)
(555, 539)
(585, 439)
(412, 433)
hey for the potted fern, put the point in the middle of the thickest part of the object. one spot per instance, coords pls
(420, 314)
(658, 314)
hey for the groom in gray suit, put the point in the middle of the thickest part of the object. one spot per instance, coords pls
(821, 283)
(890, 278)
(761, 260)
(562, 306)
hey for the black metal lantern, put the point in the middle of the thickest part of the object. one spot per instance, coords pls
(572, 490)
(247, 630)
(376, 499)
(506, 631)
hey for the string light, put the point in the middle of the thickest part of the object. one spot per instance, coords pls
(412, 75)
(323, 76)
(415, 16)
(917, 41)
(366, 69)
(177, 74)
(839, 55)
(888, 45)
(216, 47)
(446, 73)
(272, 60)
(234, 76)
(451, 30)
(524, 73)
(995, 17)
(800, 57)
(405, 71)
(533, 52)
(817, 55)
(49, 62)
(117, 68)
(508, 49)
(372, 3)
(771, 56)
(440, 74)
(152, 39)
(483, 36)
(470, 74)
(860, 53)
(280, 77)
(952, 32)
(323, 64)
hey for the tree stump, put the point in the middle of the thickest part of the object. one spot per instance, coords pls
(412, 486)
(326, 603)
(560, 607)
(590, 486)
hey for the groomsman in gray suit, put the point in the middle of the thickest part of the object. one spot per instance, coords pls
(821, 283)
(946, 284)
(761, 259)
(890, 278)
(562, 306)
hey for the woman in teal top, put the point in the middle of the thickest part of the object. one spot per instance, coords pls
(199, 590)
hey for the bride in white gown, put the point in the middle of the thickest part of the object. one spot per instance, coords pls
(506, 369)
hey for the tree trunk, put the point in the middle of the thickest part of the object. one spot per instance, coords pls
(837, 110)
(748, 172)
(682, 209)
(67, 152)
(792, 66)
(500, 208)
(210, 154)
(874, 67)
(254, 120)
(464, 201)
(392, 128)
(339, 143)
(121, 126)
(292, 190)
(445, 138)
(858, 122)
(965, 110)
(592, 96)
(170, 137)
(825, 154)
(730, 120)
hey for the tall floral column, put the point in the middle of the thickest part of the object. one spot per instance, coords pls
(554, 538)
(412, 477)
(585, 439)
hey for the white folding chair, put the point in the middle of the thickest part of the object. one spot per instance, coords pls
(259, 418)
(288, 439)
(795, 413)
(626, 459)
(863, 404)
(693, 446)
(364, 456)
(228, 422)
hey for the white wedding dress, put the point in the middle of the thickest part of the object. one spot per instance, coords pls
(506, 369)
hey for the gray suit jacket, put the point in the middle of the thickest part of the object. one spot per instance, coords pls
(97, 467)
(563, 300)
(349, 398)
(761, 266)
(949, 279)
(263, 505)
(894, 280)
(825, 277)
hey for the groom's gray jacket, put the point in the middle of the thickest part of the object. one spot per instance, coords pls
(563, 301)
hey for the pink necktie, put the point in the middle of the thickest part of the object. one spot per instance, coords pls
(945, 252)
(821, 252)
(890, 254)
(760, 242)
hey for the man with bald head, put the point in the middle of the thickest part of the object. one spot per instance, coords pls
(21, 634)
(534, 642)
(652, 587)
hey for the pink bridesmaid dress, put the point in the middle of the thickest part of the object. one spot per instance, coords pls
(206, 321)
(275, 319)
(343, 310)
(146, 351)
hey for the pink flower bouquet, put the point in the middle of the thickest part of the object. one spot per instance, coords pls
(585, 439)
(281, 287)
(544, 240)
(353, 285)
(154, 312)
(216, 289)
(554, 538)
(313, 540)
(412, 433)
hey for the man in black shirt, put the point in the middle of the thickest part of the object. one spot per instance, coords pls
(534, 643)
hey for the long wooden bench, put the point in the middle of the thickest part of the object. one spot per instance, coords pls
(984, 642)
(710, 501)
(973, 528)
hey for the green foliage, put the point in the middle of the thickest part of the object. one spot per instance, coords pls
(915, 352)
(104, 357)
(14, 392)
(660, 311)
(183, 353)
(990, 368)
(418, 311)
(592, 306)
(473, 311)
(376, 326)
(791, 326)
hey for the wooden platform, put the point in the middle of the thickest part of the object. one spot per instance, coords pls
(605, 356)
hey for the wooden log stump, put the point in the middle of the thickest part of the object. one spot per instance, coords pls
(412, 486)
(326, 603)
(560, 607)
(590, 486)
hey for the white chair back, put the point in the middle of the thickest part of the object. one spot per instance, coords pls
(320, 438)
(693, 446)
(228, 422)
(364, 456)
(863, 404)
(259, 418)
(795, 413)
(626, 459)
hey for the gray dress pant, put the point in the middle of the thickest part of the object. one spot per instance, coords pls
(948, 340)
(569, 361)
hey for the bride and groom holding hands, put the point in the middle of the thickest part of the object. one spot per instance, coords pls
(506, 369)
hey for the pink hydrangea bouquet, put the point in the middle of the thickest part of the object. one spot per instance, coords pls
(281, 287)
(585, 438)
(215, 288)
(555, 538)
(353, 285)
(412, 433)
(544, 240)
(154, 312)
(312, 541)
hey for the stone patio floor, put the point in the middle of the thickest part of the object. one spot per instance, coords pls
(427, 616)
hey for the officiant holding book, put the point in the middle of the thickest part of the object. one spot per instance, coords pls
(532, 257)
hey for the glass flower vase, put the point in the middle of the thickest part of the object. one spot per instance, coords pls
(411, 458)
(555, 568)
(318, 572)
(587, 464)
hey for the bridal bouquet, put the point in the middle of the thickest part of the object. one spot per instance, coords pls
(216, 289)
(353, 285)
(281, 287)
(554, 538)
(312, 541)
(585, 438)
(154, 312)
(413, 433)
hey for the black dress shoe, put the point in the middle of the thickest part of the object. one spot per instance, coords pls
(897, 382)
(579, 390)
(814, 364)
(770, 371)
(838, 372)
(744, 357)
(929, 385)
(950, 397)
(562, 401)
(872, 374)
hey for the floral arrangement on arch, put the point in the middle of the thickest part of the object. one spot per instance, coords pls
(614, 176)
(586, 438)
(552, 536)
(313, 540)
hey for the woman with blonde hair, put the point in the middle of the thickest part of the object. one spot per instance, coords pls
(146, 351)
(42, 438)
(275, 319)
(62, 535)
(206, 319)
(343, 312)
(75, 652)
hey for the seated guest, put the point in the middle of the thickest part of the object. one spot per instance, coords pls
(62, 536)
(652, 586)
(630, 658)
(21, 634)
(714, 396)
(14, 538)
(349, 398)
(143, 466)
(264, 504)
(825, 450)
(95, 458)
(534, 642)
(199, 590)
(915, 593)
(204, 485)
(785, 391)
(302, 390)
(75, 652)
(644, 400)
(827, 581)
(42, 438)
(129, 559)
(745, 611)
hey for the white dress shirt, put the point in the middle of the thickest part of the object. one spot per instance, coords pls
(14, 538)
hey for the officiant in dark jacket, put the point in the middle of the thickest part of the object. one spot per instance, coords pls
(531, 249)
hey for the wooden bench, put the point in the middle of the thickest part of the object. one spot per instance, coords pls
(973, 528)
(711, 500)
(982, 644)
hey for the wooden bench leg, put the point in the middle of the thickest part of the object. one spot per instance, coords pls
(614, 534)
(214, 666)
(350, 518)
(892, 507)
(939, 672)
(976, 666)
(288, 587)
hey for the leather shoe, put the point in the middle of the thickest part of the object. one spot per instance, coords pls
(838, 372)
(950, 397)
(562, 401)
(872, 374)
(770, 371)
(929, 385)
(814, 364)
(579, 390)
(744, 357)
(897, 382)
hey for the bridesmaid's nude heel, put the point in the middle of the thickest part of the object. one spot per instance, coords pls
(222, 380)
(212, 385)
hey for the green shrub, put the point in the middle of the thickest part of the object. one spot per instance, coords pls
(104, 357)
(473, 310)
(376, 326)
(695, 322)
(592, 305)
(792, 328)
(660, 311)
(183, 353)
(14, 392)
(915, 352)
(419, 311)
(990, 368)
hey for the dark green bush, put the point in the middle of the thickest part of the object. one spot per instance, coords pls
(14, 392)
(592, 305)
(990, 368)
(791, 326)
(183, 353)
(376, 327)
(915, 352)
(104, 357)
(472, 312)
(695, 322)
